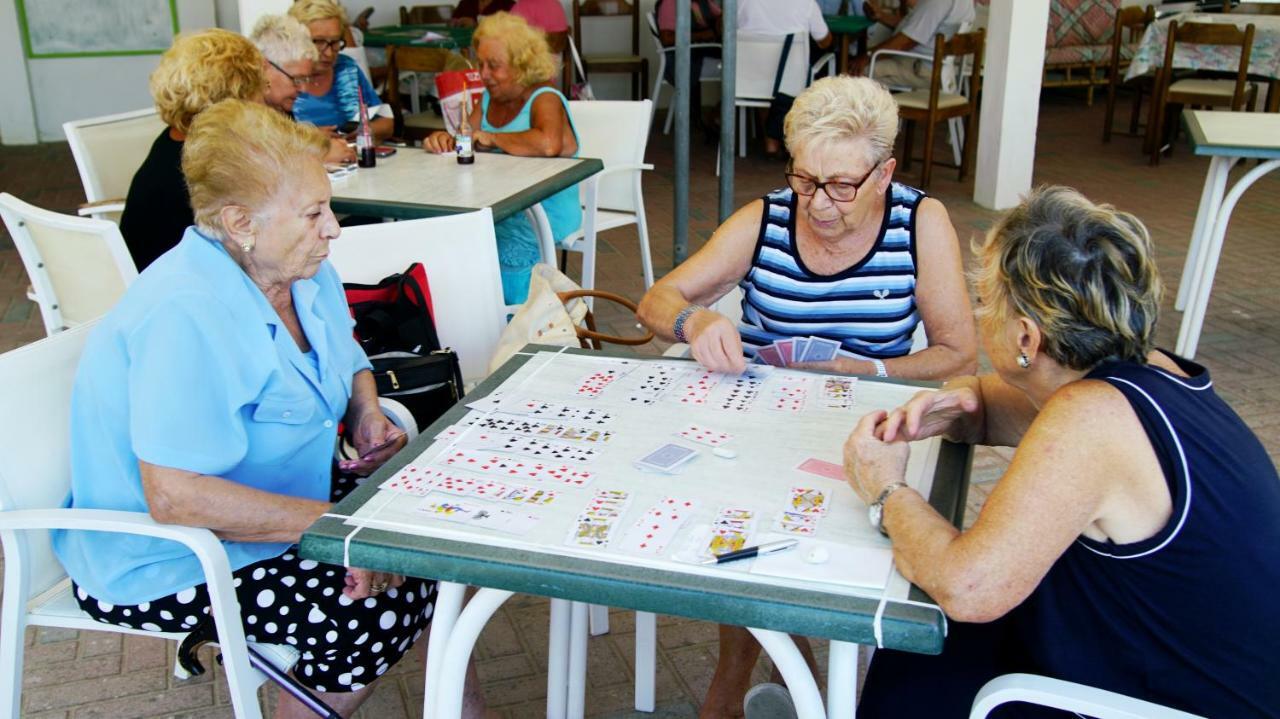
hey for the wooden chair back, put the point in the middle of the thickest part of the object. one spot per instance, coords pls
(1222, 34)
(961, 46)
(425, 14)
(1131, 23)
(608, 8)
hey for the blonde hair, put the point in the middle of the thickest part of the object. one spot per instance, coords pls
(283, 39)
(243, 153)
(843, 108)
(1083, 272)
(527, 49)
(309, 11)
(202, 68)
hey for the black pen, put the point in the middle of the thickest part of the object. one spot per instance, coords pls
(756, 551)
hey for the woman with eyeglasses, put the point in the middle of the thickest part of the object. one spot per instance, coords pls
(332, 98)
(197, 71)
(289, 59)
(843, 253)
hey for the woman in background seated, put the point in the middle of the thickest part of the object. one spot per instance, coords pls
(468, 13)
(197, 71)
(210, 397)
(290, 57)
(521, 113)
(332, 99)
(1131, 544)
(843, 252)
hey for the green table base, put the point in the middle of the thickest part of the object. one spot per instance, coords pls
(715, 599)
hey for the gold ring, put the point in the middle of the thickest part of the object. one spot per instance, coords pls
(378, 588)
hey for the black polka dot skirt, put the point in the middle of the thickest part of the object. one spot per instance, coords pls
(345, 644)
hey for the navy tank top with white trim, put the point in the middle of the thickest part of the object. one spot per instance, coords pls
(870, 308)
(1190, 617)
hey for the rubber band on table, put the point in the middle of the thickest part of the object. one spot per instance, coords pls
(346, 541)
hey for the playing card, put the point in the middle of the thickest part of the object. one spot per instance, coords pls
(799, 346)
(475, 515)
(590, 532)
(412, 479)
(786, 350)
(704, 435)
(657, 526)
(531, 496)
(797, 523)
(806, 500)
(593, 384)
(821, 349)
(697, 386)
(532, 446)
(540, 410)
(666, 458)
(822, 468)
(515, 469)
(724, 541)
(770, 355)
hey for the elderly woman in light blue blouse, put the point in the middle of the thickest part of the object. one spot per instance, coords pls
(521, 113)
(210, 396)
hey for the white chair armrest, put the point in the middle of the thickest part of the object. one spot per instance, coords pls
(197, 539)
(871, 70)
(99, 209)
(400, 416)
(615, 169)
(1066, 696)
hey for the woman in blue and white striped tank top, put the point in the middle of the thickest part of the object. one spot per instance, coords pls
(843, 253)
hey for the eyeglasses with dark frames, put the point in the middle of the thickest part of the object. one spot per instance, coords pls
(837, 190)
(299, 81)
(323, 45)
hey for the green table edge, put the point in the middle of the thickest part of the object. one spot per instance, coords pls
(848, 24)
(1200, 145)
(904, 626)
(528, 197)
(383, 36)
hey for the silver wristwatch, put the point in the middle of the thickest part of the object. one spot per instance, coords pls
(875, 511)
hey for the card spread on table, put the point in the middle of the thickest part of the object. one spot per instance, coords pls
(520, 425)
(595, 524)
(704, 435)
(730, 531)
(808, 501)
(516, 468)
(666, 459)
(654, 382)
(593, 384)
(822, 468)
(476, 515)
(838, 392)
(547, 410)
(411, 479)
(535, 447)
(657, 526)
(786, 352)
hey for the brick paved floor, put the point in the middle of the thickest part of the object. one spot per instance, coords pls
(94, 674)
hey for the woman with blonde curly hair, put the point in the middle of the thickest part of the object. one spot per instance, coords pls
(199, 70)
(521, 113)
(1131, 543)
(332, 98)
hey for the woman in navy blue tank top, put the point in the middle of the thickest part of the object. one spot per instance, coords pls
(1131, 545)
(843, 253)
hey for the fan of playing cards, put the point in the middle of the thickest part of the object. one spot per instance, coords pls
(783, 353)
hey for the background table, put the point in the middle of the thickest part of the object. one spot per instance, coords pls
(849, 26)
(456, 38)
(1264, 58)
(907, 620)
(1226, 138)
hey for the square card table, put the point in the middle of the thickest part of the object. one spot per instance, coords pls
(385, 530)
(1226, 138)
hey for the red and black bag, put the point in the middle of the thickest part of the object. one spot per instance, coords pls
(395, 325)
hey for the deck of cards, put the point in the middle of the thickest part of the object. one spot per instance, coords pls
(784, 353)
(666, 459)
(730, 531)
(595, 523)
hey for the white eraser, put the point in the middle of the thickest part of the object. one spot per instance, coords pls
(724, 452)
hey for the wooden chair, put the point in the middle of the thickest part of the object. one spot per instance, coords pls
(934, 105)
(1199, 91)
(78, 266)
(559, 44)
(108, 151)
(409, 59)
(426, 14)
(633, 64)
(1131, 23)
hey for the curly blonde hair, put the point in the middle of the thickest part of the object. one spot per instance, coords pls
(244, 153)
(283, 39)
(527, 50)
(202, 68)
(841, 108)
(1083, 272)
(308, 11)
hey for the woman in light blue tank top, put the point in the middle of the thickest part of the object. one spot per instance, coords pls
(520, 114)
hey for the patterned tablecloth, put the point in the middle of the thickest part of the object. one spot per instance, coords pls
(1264, 61)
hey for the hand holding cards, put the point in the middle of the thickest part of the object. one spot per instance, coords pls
(784, 353)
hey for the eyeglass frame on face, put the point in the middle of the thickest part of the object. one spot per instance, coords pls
(857, 186)
(323, 45)
(298, 81)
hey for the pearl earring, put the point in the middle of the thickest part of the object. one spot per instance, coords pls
(248, 247)
(1024, 361)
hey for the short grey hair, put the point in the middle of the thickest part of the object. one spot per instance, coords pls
(842, 108)
(283, 39)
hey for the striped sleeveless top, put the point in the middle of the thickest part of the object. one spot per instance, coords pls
(870, 308)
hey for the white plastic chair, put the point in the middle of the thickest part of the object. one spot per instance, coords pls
(35, 476)
(616, 133)
(955, 81)
(108, 151)
(1067, 696)
(710, 68)
(78, 266)
(460, 255)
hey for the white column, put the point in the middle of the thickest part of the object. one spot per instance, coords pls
(17, 112)
(251, 10)
(1010, 101)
